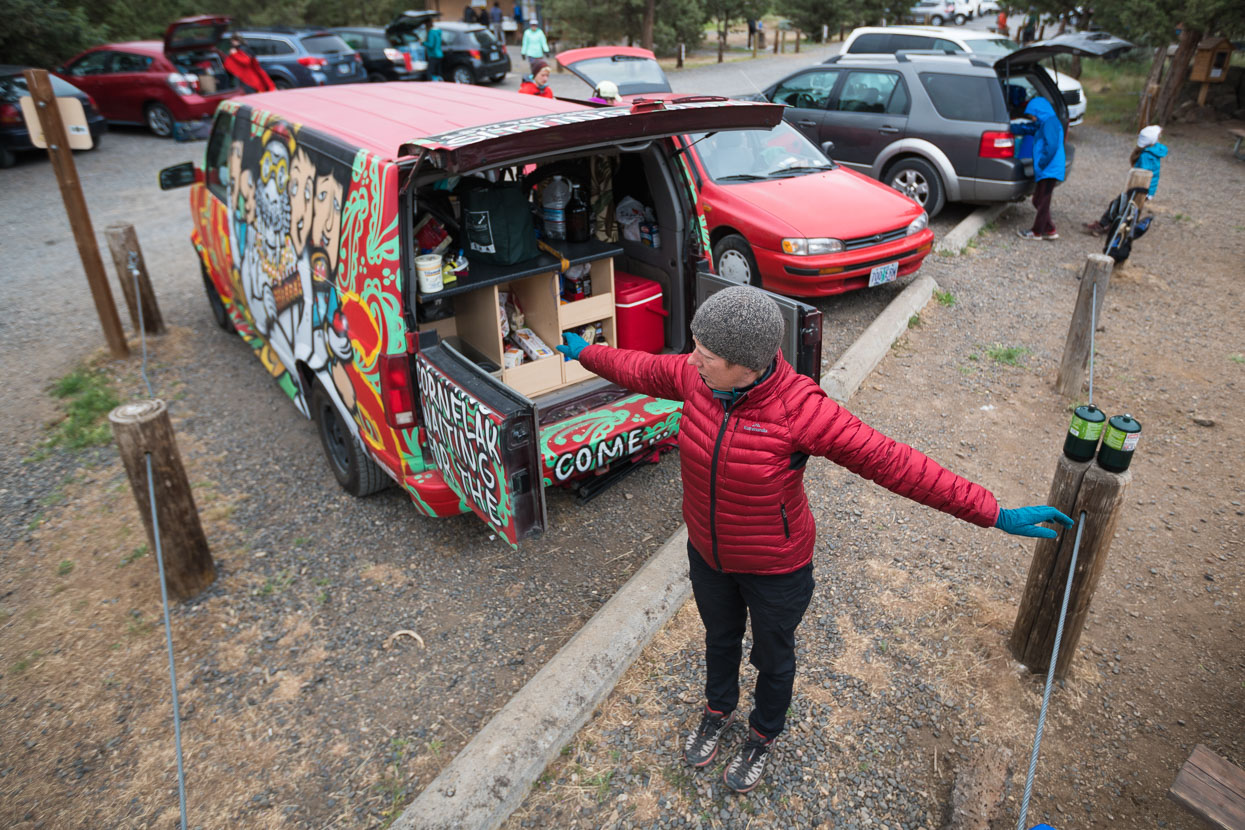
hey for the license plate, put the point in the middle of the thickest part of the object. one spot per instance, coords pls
(344, 68)
(494, 55)
(883, 274)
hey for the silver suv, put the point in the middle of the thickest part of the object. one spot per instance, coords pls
(933, 126)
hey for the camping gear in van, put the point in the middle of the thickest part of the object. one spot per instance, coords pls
(638, 313)
(431, 235)
(497, 221)
(512, 357)
(453, 268)
(577, 216)
(531, 344)
(428, 269)
(576, 282)
(553, 201)
(630, 213)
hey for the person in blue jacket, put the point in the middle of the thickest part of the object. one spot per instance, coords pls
(1148, 155)
(1040, 121)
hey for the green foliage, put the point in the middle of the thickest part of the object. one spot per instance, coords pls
(945, 298)
(810, 15)
(586, 23)
(914, 321)
(64, 568)
(1007, 355)
(88, 397)
(43, 33)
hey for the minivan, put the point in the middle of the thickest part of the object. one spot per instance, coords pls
(309, 214)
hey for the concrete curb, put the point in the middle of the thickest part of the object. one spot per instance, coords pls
(955, 241)
(845, 376)
(493, 773)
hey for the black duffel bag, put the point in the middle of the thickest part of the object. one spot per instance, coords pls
(497, 222)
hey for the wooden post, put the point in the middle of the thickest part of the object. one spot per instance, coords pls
(75, 205)
(143, 427)
(1097, 272)
(1101, 497)
(756, 38)
(797, 41)
(777, 39)
(123, 243)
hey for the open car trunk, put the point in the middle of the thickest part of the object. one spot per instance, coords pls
(192, 44)
(504, 413)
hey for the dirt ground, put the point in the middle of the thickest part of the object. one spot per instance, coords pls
(280, 707)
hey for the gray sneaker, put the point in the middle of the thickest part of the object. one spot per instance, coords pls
(701, 746)
(744, 771)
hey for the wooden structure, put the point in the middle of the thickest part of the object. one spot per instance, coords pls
(1211, 788)
(127, 256)
(1097, 273)
(75, 206)
(1078, 486)
(142, 428)
(1210, 64)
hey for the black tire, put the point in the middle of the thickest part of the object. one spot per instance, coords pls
(918, 180)
(463, 74)
(497, 79)
(282, 83)
(158, 119)
(959, 20)
(219, 313)
(734, 261)
(937, 20)
(354, 470)
(7, 158)
(376, 78)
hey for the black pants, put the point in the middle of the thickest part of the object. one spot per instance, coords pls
(776, 605)
(1042, 191)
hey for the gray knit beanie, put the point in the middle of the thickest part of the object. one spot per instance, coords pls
(740, 324)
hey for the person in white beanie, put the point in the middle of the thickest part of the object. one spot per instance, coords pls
(1148, 155)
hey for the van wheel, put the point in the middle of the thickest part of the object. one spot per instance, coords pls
(937, 20)
(960, 20)
(734, 262)
(159, 119)
(917, 180)
(219, 312)
(463, 75)
(355, 471)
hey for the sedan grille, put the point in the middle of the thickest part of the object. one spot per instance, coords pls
(1072, 96)
(875, 239)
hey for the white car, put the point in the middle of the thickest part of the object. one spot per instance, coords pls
(891, 39)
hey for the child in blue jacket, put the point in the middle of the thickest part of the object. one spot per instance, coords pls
(1148, 155)
(1041, 122)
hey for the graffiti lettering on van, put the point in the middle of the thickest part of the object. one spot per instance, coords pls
(465, 439)
(602, 436)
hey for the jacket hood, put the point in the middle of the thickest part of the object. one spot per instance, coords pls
(1040, 109)
(1159, 150)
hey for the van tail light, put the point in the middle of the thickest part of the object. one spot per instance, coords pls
(396, 391)
(358, 58)
(393, 55)
(9, 114)
(183, 84)
(313, 62)
(406, 56)
(997, 145)
(474, 53)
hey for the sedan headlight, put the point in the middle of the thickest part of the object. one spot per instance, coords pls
(812, 247)
(918, 224)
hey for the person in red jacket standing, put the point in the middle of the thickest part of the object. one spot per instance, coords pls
(245, 67)
(538, 82)
(749, 424)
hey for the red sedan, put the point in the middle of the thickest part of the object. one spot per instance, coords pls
(154, 83)
(781, 215)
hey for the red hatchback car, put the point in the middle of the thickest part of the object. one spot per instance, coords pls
(781, 215)
(154, 83)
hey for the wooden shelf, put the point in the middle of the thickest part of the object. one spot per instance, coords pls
(482, 276)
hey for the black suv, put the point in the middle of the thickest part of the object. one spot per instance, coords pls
(387, 53)
(932, 125)
(471, 55)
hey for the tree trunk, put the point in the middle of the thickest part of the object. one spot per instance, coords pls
(1146, 105)
(646, 31)
(721, 41)
(1176, 75)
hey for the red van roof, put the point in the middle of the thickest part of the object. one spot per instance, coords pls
(383, 117)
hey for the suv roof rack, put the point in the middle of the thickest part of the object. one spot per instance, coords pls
(904, 54)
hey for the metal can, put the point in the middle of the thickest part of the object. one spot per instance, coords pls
(1081, 442)
(1118, 443)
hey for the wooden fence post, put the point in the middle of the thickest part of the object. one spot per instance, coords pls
(1139, 178)
(143, 427)
(1100, 496)
(1097, 272)
(123, 243)
(797, 41)
(75, 205)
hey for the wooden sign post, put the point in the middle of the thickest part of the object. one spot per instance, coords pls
(75, 205)
(1097, 274)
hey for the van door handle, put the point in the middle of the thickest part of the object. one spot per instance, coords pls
(888, 130)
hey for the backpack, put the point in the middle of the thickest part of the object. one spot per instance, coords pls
(497, 221)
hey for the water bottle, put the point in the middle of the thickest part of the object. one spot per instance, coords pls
(577, 216)
(553, 206)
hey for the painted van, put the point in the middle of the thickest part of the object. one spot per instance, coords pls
(307, 215)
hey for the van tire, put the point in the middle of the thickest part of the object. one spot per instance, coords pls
(219, 312)
(918, 180)
(158, 119)
(463, 74)
(354, 470)
(734, 252)
(960, 20)
(937, 20)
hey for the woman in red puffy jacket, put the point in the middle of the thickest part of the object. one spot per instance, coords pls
(749, 425)
(245, 67)
(538, 82)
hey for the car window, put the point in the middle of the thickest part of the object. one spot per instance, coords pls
(778, 153)
(377, 42)
(964, 98)
(129, 62)
(944, 45)
(217, 160)
(808, 90)
(96, 63)
(997, 46)
(870, 43)
(355, 40)
(485, 38)
(260, 45)
(866, 91)
(325, 44)
(449, 37)
(899, 42)
(630, 73)
(13, 87)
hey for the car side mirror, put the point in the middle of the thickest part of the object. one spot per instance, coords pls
(827, 147)
(179, 175)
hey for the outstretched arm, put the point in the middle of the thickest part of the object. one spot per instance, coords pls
(661, 376)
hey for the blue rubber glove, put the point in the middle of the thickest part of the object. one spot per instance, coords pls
(1026, 521)
(574, 345)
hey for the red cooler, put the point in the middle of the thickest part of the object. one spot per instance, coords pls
(638, 313)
